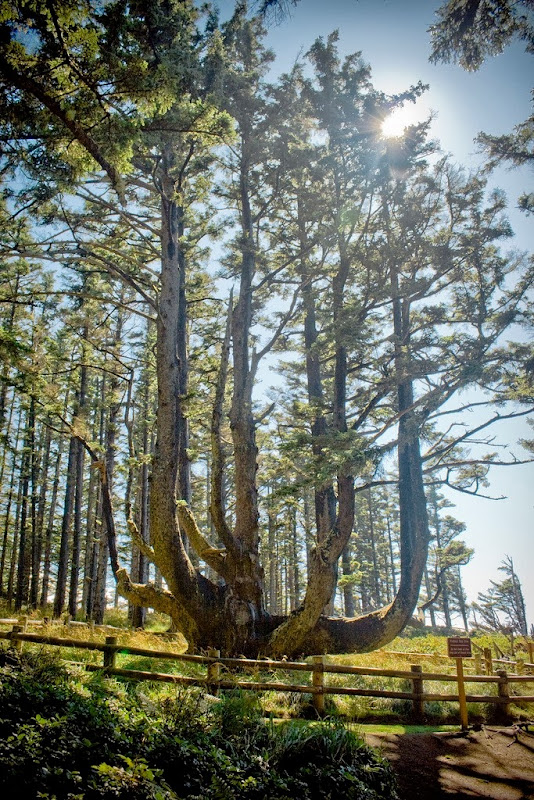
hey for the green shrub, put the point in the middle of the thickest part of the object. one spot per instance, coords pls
(330, 761)
(94, 738)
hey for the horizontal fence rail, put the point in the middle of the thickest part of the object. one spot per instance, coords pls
(215, 680)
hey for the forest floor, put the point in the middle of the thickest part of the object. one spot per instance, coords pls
(495, 763)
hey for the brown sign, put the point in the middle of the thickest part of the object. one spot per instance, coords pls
(459, 647)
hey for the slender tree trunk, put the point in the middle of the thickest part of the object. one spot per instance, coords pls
(348, 591)
(14, 547)
(64, 545)
(101, 557)
(5, 435)
(444, 587)
(50, 525)
(76, 531)
(97, 599)
(295, 558)
(8, 326)
(38, 543)
(24, 555)
(79, 460)
(140, 564)
(273, 558)
(90, 544)
(7, 521)
(429, 593)
(372, 539)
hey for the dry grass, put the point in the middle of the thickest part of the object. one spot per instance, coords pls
(428, 652)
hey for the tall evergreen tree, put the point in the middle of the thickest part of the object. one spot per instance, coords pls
(147, 134)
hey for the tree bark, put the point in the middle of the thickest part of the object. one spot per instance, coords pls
(24, 553)
(64, 546)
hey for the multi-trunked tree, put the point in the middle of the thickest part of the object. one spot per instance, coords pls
(336, 238)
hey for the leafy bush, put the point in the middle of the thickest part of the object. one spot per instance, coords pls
(330, 761)
(96, 739)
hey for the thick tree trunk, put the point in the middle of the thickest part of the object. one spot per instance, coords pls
(391, 554)
(195, 604)
(167, 467)
(246, 585)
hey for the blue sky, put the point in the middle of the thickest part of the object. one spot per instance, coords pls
(393, 38)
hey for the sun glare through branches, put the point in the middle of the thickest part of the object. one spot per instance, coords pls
(396, 123)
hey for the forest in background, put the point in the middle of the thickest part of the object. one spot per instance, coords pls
(176, 225)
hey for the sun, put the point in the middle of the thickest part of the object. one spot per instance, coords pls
(396, 123)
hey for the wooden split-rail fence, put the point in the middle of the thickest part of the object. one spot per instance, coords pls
(219, 675)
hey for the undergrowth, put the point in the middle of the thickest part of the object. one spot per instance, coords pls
(65, 735)
(428, 651)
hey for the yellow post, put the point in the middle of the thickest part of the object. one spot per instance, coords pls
(318, 683)
(461, 694)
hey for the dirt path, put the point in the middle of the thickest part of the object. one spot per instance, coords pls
(492, 763)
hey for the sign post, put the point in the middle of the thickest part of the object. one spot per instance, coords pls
(459, 647)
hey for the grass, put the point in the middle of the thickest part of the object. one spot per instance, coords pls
(399, 655)
(400, 729)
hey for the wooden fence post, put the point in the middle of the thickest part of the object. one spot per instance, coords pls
(520, 666)
(318, 683)
(478, 664)
(417, 682)
(214, 672)
(110, 653)
(16, 644)
(503, 709)
(489, 661)
(530, 646)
